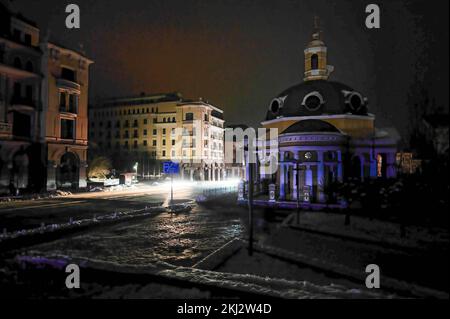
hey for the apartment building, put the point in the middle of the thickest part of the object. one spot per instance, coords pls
(151, 129)
(43, 109)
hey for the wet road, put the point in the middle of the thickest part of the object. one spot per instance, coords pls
(180, 239)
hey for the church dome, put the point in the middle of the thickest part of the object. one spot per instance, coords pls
(319, 97)
(311, 126)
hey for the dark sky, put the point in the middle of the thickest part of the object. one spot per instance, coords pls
(239, 54)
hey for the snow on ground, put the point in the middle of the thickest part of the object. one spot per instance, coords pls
(33, 197)
(263, 265)
(373, 230)
(246, 283)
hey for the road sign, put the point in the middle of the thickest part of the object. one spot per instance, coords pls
(171, 168)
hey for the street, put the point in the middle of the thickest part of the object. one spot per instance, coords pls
(180, 239)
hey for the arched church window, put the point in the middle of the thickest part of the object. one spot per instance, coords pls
(314, 62)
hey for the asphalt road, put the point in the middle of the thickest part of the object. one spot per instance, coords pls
(31, 213)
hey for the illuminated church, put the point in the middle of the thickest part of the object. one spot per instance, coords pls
(326, 133)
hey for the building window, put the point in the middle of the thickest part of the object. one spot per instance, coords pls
(163, 153)
(145, 132)
(62, 101)
(164, 131)
(127, 124)
(145, 121)
(145, 142)
(67, 129)
(154, 131)
(73, 104)
(135, 134)
(68, 74)
(29, 66)
(17, 35)
(29, 93)
(173, 142)
(381, 165)
(17, 63)
(189, 116)
(206, 118)
(173, 119)
(126, 145)
(314, 62)
(127, 135)
(135, 145)
(154, 143)
(164, 142)
(27, 39)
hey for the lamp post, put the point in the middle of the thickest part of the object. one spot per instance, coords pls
(248, 163)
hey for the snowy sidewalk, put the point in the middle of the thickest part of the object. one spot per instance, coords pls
(132, 281)
(425, 272)
(372, 231)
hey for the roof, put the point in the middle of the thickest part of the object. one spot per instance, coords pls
(311, 126)
(142, 99)
(334, 98)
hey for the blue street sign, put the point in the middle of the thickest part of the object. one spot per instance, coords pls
(171, 168)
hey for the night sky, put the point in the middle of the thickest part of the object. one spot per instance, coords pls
(239, 54)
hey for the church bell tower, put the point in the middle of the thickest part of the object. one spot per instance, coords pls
(316, 67)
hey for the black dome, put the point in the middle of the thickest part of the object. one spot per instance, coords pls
(333, 98)
(311, 126)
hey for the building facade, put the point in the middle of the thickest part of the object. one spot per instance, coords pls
(64, 132)
(325, 134)
(150, 129)
(38, 135)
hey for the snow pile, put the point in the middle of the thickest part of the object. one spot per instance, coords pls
(71, 224)
(34, 197)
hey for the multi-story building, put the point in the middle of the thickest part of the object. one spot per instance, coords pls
(19, 98)
(64, 124)
(151, 129)
(43, 109)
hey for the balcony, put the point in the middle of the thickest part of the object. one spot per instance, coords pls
(5, 129)
(68, 85)
(23, 101)
(72, 109)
